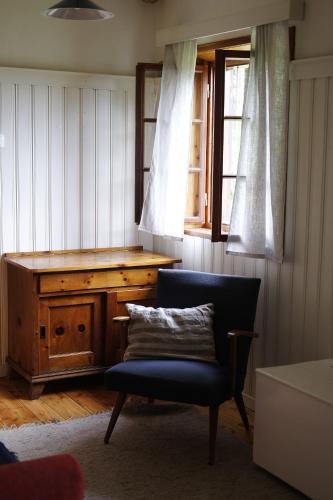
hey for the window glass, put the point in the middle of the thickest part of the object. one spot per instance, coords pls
(145, 182)
(149, 135)
(231, 146)
(152, 88)
(235, 78)
(228, 191)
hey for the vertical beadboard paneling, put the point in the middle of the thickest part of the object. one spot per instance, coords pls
(325, 312)
(286, 274)
(7, 194)
(207, 256)
(272, 279)
(315, 219)
(57, 157)
(88, 168)
(118, 189)
(228, 261)
(40, 185)
(198, 254)
(103, 167)
(66, 164)
(295, 306)
(73, 177)
(24, 167)
(302, 216)
(8, 167)
(131, 231)
(217, 257)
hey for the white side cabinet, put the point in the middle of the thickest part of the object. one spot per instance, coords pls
(293, 431)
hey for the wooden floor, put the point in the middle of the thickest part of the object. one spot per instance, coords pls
(76, 398)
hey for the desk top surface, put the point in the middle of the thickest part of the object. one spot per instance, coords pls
(314, 378)
(80, 260)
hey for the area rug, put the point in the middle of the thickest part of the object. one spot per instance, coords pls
(152, 455)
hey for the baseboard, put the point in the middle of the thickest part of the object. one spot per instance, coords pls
(249, 401)
(3, 370)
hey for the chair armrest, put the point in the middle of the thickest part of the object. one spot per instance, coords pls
(242, 333)
(233, 337)
(121, 319)
(123, 322)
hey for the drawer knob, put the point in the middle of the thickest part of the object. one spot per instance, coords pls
(60, 330)
(81, 328)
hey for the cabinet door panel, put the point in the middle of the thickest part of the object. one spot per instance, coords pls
(71, 332)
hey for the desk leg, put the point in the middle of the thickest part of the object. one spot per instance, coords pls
(35, 390)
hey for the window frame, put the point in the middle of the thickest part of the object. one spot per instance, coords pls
(140, 121)
(212, 226)
(218, 141)
(198, 221)
(206, 224)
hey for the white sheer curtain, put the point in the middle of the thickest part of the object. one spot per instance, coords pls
(257, 218)
(164, 205)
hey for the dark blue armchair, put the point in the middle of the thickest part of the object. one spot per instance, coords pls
(196, 382)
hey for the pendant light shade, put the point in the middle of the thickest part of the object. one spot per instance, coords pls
(78, 10)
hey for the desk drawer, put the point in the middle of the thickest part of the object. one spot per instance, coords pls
(89, 280)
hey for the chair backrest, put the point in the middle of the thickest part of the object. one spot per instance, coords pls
(234, 298)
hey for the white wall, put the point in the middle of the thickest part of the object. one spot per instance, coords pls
(30, 40)
(313, 35)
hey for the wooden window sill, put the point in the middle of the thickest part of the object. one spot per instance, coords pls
(202, 232)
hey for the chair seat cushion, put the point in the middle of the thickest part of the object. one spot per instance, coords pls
(187, 381)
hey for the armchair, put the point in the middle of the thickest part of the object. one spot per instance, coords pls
(189, 381)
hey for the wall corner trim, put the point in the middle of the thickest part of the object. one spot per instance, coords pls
(276, 10)
(313, 67)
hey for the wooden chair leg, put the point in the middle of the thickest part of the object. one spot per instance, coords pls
(213, 419)
(114, 415)
(241, 408)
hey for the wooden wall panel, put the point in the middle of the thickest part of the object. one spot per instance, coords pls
(103, 168)
(73, 179)
(88, 168)
(8, 167)
(40, 165)
(325, 310)
(118, 188)
(295, 306)
(66, 164)
(57, 160)
(23, 166)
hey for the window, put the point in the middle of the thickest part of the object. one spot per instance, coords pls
(219, 86)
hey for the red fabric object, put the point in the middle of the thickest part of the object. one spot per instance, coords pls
(57, 477)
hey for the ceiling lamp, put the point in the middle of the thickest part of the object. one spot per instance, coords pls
(78, 10)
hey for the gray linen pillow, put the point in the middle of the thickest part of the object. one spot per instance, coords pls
(171, 333)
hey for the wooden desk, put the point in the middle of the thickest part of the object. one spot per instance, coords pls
(61, 305)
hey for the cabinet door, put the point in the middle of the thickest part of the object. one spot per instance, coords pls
(71, 333)
(116, 306)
